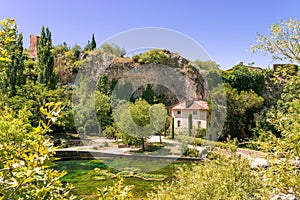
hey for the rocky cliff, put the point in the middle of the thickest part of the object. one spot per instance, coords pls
(194, 78)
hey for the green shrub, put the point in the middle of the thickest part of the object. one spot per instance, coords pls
(191, 152)
(221, 178)
(155, 56)
(200, 133)
(110, 132)
(117, 192)
(135, 58)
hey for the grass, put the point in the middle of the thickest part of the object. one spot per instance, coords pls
(88, 175)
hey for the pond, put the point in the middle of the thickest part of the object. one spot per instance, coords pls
(88, 175)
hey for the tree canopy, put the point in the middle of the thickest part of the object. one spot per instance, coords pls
(282, 43)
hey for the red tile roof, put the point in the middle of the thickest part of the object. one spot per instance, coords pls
(191, 105)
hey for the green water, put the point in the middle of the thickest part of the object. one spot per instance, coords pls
(86, 180)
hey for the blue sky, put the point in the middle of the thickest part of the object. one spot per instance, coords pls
(224, 28)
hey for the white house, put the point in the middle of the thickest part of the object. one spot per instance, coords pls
(197, 108)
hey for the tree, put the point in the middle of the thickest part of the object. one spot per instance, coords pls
(140, 119)
(158, 114)
(173, 129)
(26, 153)
(244, 79)
(93, 43)
(103, 110)
(283, 140)
(190, 124)
(113, 49)
(148, 94)
(7, 28)
(207, 65)
(12, 45)
(283, 42)
(46, 59)
(240, 113)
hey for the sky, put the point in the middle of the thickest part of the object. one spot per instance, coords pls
(225, 29)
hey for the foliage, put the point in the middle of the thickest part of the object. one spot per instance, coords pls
(113, 49)
(200, 133)
(148, 94)
(26, 153)
(45, 59)
(7, 33)
(110, 132)
(243, 78)
(282, 175)
(172, 128)
(93, 43)
(155, 56)
(282, 140)
(33, 96)
(67, 62)
(229, 145)
(283, 42)
(11, 45)
(117, 192)
(207, 65)
(140, 119)
(190, 124)
(240, 112)
(221, 178)
(103, 109)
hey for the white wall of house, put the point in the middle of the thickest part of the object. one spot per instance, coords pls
(181, 118)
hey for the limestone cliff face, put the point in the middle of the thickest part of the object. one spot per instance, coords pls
(194, 79)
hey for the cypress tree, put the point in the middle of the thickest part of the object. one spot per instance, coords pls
(190, 123)
(173, 135)
(46, 59)
(93, 43)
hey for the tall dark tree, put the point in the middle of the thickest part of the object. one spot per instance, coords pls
(148, 94)
(46, 59)
(190, 124)
(93, 43)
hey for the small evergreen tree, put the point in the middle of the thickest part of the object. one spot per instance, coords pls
(93, 43)
(173, 135)
(190, 123)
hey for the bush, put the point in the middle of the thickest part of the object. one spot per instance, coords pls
(110, 132)
(117, 192)
(135, 58)
(201, 133)
(191, 152)
(131, 140)
(222, 178)
(26, 153)
(155, 56)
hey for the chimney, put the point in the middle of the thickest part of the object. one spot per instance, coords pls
(34, 41)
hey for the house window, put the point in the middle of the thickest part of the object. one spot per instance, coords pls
(178, 123)
(178, 112)
(195, 112)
